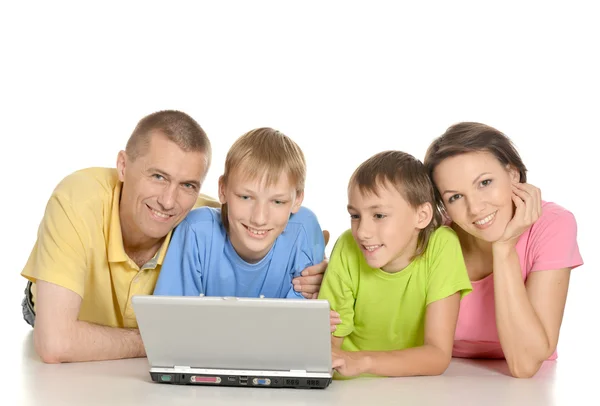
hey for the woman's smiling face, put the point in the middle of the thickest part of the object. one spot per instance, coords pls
(477, 193)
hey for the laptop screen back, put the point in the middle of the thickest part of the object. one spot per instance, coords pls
(235, 333)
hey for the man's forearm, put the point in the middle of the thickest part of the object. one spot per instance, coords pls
(83, 341)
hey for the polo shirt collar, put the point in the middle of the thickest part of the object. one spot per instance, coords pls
(116, 250)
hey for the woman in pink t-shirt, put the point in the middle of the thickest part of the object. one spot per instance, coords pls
(519, 250)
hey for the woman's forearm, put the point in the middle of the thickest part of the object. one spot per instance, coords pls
(522, 336)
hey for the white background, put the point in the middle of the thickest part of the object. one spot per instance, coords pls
(344, 79)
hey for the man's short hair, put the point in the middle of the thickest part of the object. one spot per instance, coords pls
(177, 126)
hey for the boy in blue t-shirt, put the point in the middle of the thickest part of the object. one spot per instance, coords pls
(261, 238)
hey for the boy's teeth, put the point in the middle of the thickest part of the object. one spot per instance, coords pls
(257, 232)
(372, 247)
(485, 220)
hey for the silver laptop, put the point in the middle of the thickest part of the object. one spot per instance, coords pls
(225, 341)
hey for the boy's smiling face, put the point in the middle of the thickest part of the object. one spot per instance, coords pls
(257, 212)
(385, 227)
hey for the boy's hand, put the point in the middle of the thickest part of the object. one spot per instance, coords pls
(348, 363)
(335, 319)
(310, 282)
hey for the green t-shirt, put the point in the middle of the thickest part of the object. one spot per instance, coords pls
(382, 311)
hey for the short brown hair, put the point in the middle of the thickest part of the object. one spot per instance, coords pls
(177, 126)
(408, 175)
(265, 152)
(466, 137)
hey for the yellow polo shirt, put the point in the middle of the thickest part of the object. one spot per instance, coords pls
(80, 247)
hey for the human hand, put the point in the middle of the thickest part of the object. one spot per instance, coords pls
(334, 319)
(309, 283)
(348, 363)
(528, 208)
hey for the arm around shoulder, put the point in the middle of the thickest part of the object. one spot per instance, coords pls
(308, 283)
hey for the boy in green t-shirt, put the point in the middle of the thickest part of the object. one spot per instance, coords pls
(397, 277)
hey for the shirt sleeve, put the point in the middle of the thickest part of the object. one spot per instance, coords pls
(205, 200)
(310, 248)
(59, 254)
(554, 242)
(181, 273)
(337, 284)
(447, 271)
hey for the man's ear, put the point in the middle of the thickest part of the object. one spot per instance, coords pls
(222, 187)
(424, 215)
(298, 201)
(121, 165)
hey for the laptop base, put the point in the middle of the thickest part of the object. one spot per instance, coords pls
(262, 381)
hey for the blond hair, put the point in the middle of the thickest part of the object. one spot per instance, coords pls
(267, 154)
(408, 176)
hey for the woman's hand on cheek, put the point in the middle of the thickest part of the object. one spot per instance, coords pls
(528, 208)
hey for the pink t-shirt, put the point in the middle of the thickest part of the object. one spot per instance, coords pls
(550, 243)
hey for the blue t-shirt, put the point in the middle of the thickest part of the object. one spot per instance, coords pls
(201, 259)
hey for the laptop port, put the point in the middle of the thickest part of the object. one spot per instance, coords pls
(231, 378)
(261, 381)
(205, 379)
(243, 380)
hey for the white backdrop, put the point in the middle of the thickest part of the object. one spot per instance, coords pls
(344, 79)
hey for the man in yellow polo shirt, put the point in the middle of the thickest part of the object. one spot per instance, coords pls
(103, 238)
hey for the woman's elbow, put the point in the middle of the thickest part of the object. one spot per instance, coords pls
(524, 368)
(523, 372)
